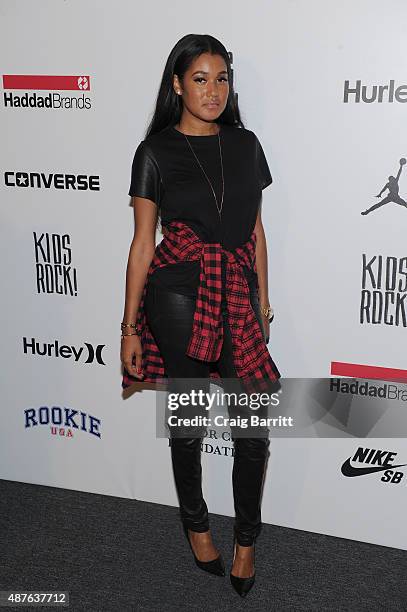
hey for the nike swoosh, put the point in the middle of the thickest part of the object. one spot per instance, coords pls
(349, 470)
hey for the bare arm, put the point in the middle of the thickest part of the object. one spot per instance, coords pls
(262, 269)
(141, 253)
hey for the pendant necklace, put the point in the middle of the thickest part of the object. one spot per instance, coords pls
(211, 186)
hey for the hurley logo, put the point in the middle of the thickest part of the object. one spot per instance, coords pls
(377, 461)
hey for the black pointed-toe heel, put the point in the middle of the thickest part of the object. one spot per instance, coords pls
(215, 566)
(241, 585)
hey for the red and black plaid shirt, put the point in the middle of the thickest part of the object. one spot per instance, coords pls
(251, 358)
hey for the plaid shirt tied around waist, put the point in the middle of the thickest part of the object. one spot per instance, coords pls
(251, 358)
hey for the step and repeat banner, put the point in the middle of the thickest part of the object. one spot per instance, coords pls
(324, 87)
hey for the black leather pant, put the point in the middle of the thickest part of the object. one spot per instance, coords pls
(170, 317)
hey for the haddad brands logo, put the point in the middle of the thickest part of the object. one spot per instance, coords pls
(384, 290)
(373, 461)
(42, 180)
(357, 93)
(56, 349)
(50, 83)
(53, 259)
(62, 421)
(384, 391)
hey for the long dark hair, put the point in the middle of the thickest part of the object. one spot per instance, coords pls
(168, 109)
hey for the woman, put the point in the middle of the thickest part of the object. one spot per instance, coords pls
(203, 173)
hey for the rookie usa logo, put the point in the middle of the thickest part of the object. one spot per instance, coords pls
(367, 461)
(21, 91)
(62, 421)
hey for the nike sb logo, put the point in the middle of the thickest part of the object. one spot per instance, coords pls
(378, 460)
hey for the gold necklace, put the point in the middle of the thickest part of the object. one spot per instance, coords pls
(211, 186)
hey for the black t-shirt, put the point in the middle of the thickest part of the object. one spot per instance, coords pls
(166, 171)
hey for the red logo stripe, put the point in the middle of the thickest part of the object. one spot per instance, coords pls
(359, 370)
(46, 81)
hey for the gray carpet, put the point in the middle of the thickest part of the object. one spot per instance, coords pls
(121, 555)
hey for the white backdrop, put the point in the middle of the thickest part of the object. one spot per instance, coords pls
(328, 157)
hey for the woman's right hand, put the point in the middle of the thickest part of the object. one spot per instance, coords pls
(131, 347)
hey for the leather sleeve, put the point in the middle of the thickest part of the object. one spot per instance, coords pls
(145, 175)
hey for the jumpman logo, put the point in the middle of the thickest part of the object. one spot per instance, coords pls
(393, 196)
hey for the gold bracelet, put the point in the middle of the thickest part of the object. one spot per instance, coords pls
(123, 325)
(268, 312)
(137, 332)
(134, 326)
